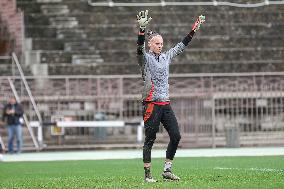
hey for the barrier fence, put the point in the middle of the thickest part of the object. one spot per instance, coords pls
(241, 109)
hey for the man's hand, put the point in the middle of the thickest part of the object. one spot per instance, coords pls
(198, 22)
(143, 20)
(9, 112)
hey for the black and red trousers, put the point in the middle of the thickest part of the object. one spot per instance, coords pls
(153, 115)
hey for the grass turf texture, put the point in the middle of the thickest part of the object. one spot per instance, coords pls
(214, 172)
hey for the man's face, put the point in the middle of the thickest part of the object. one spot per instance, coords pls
(156, 44)
(12, 101)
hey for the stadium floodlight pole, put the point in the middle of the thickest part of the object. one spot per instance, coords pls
(110, 3)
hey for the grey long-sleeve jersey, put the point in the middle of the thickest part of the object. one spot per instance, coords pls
(155, 69)
(155, 73)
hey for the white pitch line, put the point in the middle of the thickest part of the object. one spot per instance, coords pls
(250, 169)
(132, 154)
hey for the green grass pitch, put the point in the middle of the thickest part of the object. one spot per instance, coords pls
(213, 172)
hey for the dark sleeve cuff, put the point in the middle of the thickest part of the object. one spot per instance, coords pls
(141, 38)
(188, 38)
(140, 41)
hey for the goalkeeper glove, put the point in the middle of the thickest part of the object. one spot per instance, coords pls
(198, 22)
(143, 20)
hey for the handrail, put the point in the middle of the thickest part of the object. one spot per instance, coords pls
(16, 61)
(110, 3)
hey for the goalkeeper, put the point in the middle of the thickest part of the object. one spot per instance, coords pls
(156, 103)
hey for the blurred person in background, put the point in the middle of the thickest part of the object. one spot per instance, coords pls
(155, 98)
(12, 116)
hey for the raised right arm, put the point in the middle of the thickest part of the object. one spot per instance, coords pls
(143, 21)
(141, 46)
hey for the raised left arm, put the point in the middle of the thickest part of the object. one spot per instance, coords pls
(195, 27)
(178, 48)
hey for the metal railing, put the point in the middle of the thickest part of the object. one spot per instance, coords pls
(129, 86)
(32, 100)
(208, 106)
(162, 3)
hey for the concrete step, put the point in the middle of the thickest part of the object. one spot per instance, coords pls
(78, 46)
(195, 55)
(133, 68)
(48, 1)
(73, 34)
(168, 31)
(54, 9)
(63, 22)
(87, 59)
(5, 59)
(129, 44)
(5, 69)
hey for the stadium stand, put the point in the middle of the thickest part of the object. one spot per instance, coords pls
(102, 40)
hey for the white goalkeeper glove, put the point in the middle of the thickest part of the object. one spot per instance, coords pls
(143, 19)
(198, 23)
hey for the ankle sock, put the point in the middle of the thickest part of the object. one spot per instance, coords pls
(147, 172)
(167, 166)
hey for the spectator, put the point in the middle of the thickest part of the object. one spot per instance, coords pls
(12, 115)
